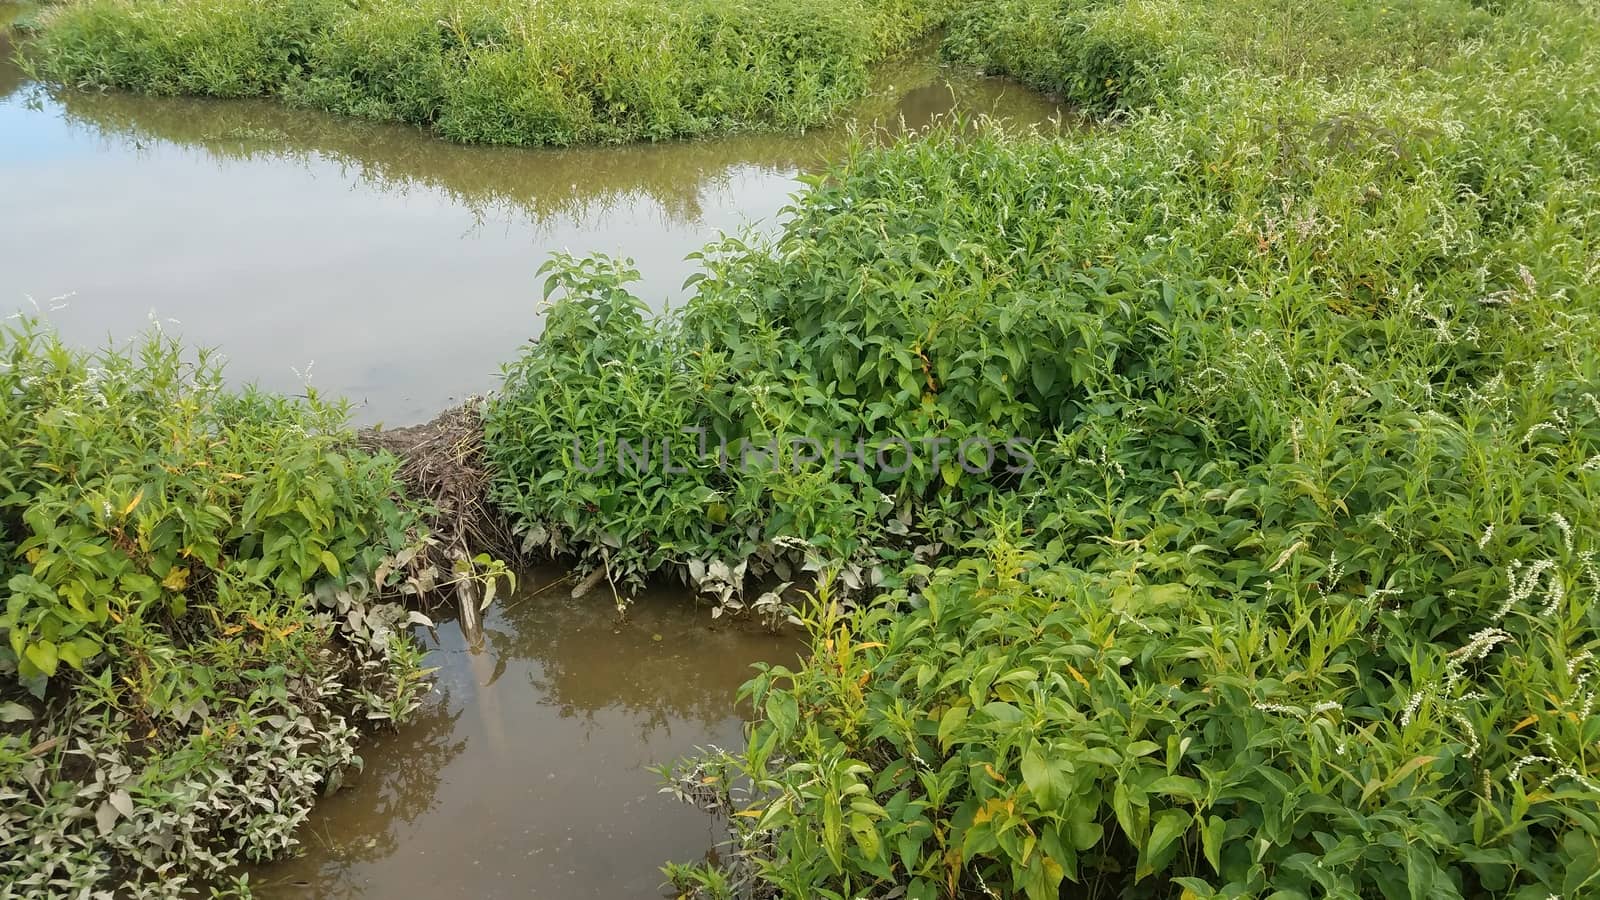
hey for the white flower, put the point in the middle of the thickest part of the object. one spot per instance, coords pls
(1412, 706)
(1566, 529)
(1524, 577)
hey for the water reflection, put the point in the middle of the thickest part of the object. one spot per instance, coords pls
(526, 776)
(683, 178)
(414, 756)
(10, 73)
(398, 269)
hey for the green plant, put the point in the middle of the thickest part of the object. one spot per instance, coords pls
(698, 882)
(1299, 599)
(191, 618)
(495, 71)
(134, 482)
(1029, 723)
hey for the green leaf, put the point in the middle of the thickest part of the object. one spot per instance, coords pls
(950, 722)
(1123, 807)
(1211, 841)
(43, 657)
(1044, 877)
(951, 473)
(1421, 871)
(330, 562)
(1044, 374)
(866, 836)
(1168, 827)
(1037, 773)
(1177, 786)
(783, 712)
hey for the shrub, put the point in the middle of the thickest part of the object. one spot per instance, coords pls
(190, 579)
(1300, 597)
(496, 71)
(1120, 56)
(1151, 725)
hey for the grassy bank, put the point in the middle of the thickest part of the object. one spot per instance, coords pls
(192, 633)
(495, 71)
(1299, 598)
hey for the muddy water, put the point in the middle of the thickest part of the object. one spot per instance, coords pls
(526, 776)
(397, 269)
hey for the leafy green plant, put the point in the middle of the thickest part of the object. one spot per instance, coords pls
(495, 71)
(135, 482)
(1300, 597)
(1027, 724)
(191, 619)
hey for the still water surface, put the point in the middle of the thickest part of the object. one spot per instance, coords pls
(398, 269)
(526, 774)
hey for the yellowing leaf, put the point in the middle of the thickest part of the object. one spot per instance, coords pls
(43, 656)
(134, 503)
(1077, 676)
(177, 578)
(1283, 558)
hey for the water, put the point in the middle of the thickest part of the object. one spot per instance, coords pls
(525, 776)
(398, 270)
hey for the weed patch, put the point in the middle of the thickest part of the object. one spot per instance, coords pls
(1299, 594)
(495, 71)
(192, 631)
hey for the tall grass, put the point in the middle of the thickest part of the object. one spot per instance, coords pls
(1301, 596)
(496, 71)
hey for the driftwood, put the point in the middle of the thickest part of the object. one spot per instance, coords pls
(441, 463)
(589, 583)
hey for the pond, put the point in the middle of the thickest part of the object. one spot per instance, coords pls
(392, 268)
(526, 773)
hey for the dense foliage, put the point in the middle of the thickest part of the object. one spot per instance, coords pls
(1298, 595)
(495, 71)
(1148, 726)
(1306, 342)
(188, 638)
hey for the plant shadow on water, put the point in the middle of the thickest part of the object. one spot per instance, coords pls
(528, 774)
(11, 79)
(403, 266)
